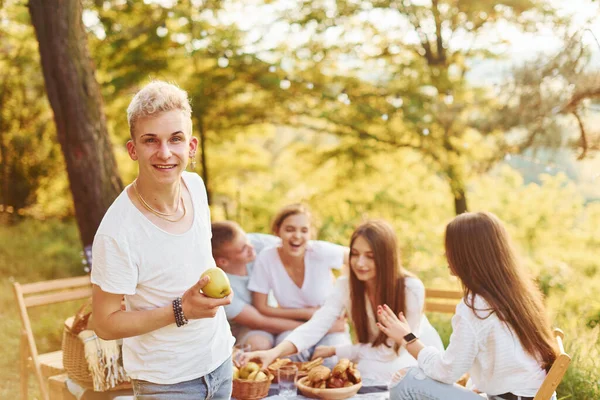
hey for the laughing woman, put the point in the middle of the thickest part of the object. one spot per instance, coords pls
(299, 273)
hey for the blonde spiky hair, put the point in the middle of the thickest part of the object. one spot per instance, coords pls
(156, 97)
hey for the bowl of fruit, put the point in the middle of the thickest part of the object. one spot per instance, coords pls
(251, 382)
(342, 382)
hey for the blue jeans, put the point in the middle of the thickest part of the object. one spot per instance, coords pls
(215, 385)
(415, 385)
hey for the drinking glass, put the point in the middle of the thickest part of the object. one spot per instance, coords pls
(238, 350)
(286, 376)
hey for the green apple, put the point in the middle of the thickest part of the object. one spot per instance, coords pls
(261, 376)
(248, 369)
(218, 286)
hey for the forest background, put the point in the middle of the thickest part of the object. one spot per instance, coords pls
(411, 111)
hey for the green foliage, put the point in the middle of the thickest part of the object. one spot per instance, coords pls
(29, 157)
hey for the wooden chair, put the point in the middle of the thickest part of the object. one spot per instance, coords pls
(557, 371)
(40, 294)
(443, 301)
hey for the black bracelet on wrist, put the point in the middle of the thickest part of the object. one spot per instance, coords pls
(180, 319)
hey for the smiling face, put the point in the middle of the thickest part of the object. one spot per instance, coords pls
(162, 145)
(237, 252)
(362, 261)
(295, 234)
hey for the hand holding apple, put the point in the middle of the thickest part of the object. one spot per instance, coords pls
(197, 305)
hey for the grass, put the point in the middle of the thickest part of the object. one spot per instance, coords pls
(34, 250)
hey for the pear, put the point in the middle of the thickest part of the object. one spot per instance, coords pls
(236, 372)
(261, 376)
(218, 286)
(248, 369)
(252, 375)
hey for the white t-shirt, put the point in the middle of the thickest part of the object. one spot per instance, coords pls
(489, 350)
(319, 259)
(151, 267)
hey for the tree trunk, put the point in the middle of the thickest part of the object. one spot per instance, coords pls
(76, 101)
(203, 158)
(460, 201)
(457, 187)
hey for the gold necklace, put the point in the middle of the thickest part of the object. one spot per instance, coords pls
(158, 213)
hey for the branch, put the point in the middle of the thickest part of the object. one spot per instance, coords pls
(584, 143)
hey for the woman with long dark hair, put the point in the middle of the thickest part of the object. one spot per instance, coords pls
(501, 334)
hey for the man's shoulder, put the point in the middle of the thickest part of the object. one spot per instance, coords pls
(117, 218)
(262, 241)
(193, 180)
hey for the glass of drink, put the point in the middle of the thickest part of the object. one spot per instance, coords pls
(238, 350)
(286, 376)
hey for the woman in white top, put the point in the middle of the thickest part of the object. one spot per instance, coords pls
(375, 278)
(299, 273)
(501, 334)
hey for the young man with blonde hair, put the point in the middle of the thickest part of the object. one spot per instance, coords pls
(151, 247)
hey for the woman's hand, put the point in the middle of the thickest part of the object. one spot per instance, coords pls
(395, 327)
(266, 357)
(324, 352)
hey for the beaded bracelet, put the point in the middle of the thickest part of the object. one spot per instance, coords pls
(180, 319)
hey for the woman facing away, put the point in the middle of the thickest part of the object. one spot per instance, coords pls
(501, 334)
(375, 278)
(299, 273)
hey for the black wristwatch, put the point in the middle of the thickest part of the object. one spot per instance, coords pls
(409, 338)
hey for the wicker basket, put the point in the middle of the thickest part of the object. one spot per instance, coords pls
(74, 357)
(74, 360)
(244, 389)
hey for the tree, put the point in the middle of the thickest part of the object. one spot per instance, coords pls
(416, 57)
(76, 101)
(187, 42)
(27, 154)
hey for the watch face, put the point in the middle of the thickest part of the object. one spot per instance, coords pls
(409, 337)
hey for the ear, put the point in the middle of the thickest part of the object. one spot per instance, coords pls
(131, 150)
(222, 262)
(193, 145)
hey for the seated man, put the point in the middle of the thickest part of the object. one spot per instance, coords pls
(234, 252)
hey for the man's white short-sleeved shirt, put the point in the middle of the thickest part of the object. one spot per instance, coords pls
(319, 259)
(152, 267)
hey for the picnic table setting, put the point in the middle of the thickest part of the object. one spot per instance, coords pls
(284, 378)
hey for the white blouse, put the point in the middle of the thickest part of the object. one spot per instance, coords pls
(320, 258)
(486, 348)
(375, 363)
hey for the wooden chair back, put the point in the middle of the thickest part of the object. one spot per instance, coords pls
(557, 371)
(443, 301)
(40, 294)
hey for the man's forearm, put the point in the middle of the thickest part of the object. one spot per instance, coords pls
(278, 325)
(123, 324)
(288, 313)
(254, 319)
